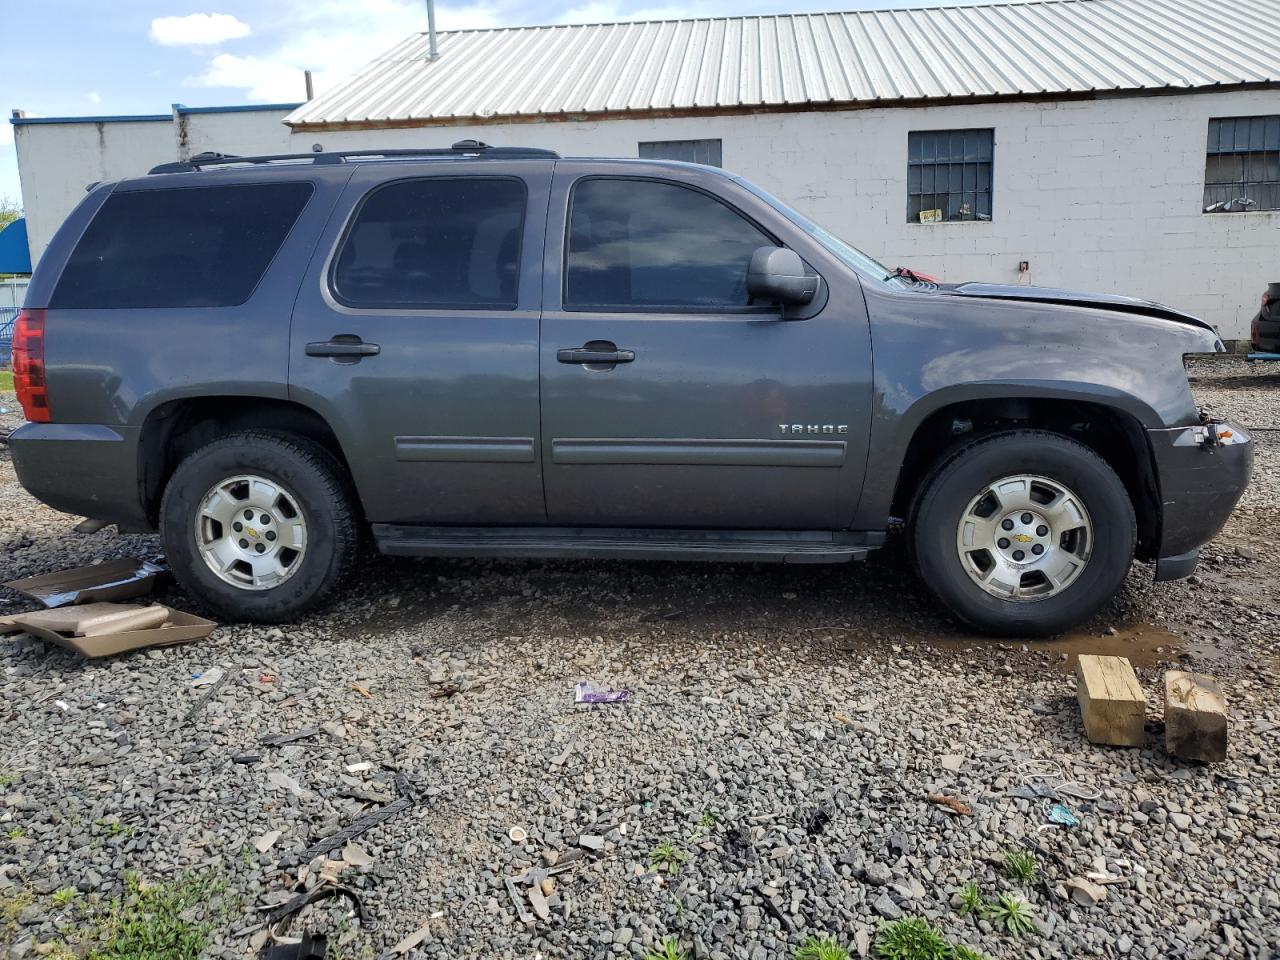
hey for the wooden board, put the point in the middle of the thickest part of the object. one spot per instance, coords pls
(1111, 701)
(1195, 717)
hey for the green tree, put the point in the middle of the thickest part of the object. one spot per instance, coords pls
(10, 210)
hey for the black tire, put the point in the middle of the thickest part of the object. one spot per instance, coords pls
(961, 477)
(322, 490)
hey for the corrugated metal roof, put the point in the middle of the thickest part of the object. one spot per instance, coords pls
(992, 50)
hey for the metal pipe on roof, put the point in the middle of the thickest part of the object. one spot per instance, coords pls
(432, 52)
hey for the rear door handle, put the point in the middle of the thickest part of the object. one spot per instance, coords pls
(592, 353)
(345, 348)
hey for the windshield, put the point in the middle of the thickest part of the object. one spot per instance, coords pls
(865, 266)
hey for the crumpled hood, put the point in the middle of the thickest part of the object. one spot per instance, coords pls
(1072, 298)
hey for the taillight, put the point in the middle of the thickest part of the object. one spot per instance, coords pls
(28, 365)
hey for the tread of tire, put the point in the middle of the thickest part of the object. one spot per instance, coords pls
(346, 530)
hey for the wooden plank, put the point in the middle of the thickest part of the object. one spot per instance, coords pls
(1111, 701)
(1195, 717)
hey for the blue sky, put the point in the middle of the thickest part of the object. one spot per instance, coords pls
(87, 57)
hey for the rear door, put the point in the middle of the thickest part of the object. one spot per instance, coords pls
(416, 336)
(667, 399)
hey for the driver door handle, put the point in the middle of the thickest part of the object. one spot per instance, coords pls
(595, 353)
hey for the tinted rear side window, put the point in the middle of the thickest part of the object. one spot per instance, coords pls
(439, 242)
(186, 247)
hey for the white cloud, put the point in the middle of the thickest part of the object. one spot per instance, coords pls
(325, 38)
(197, 30)
(95, 97)
(610, 11)
(264, 80)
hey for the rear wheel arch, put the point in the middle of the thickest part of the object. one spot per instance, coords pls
(1115, 434)
(177, 428)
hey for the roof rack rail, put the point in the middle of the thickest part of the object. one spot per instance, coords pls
(463, 148)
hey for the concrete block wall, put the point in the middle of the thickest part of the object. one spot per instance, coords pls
(57, 160)
(1099, 194)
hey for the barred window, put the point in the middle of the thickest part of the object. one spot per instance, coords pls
(949, 175)
(1242, 165)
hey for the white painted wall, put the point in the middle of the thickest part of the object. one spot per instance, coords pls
(244, 133)
(1098, 195)
(56, 161)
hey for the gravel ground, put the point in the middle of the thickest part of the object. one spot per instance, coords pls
(784, 729)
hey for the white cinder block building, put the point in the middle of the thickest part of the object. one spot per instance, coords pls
(1126, 146)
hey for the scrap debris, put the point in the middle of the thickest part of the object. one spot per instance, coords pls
(413, 939)
(1060, 814)
(954, 804)
(278, 919)
(587, 692)
(200, 704)
(283, 738)
(406, 800)
(102, 629)
(540, 897)
(114, 580)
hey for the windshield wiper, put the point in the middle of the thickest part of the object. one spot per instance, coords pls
(905, 273)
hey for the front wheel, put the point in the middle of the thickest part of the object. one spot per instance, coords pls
(259, 525)
(1024, 533)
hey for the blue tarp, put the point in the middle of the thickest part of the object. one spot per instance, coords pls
(15, 255)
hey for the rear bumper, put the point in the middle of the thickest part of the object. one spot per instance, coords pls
(1265, 335)
(84, 469)
(1200, 484)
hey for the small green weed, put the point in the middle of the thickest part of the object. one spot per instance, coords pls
(961, 952)
(971, 899)
(1012, 913)
(1021, 866)
(16, 832)
(63, 896)
(669, 949)
(170, 920)
(667, 857)
(911, 938)
(825, 949)
(11, 905)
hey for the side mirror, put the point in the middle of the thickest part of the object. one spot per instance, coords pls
(778, 275)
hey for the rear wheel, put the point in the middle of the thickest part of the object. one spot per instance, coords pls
(259, 525)
(1024, 533)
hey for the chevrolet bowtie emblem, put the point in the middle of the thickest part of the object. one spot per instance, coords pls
(1020, 537)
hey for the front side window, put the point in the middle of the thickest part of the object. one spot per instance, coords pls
(949, 175)
(1242, 165)
(649, 244)
(179, 247)
(434, 243)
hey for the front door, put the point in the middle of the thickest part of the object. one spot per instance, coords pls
(667, 399)
(415, 336)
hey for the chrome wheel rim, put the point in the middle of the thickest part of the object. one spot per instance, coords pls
(251, 532)
(1025, 538)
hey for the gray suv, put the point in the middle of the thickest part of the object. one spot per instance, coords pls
(480, 351)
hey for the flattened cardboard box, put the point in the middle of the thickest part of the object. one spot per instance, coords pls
(113, 580)
(178, 628)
